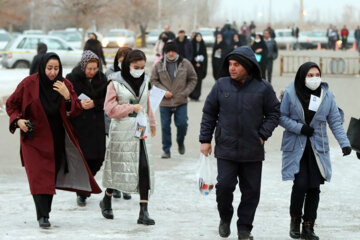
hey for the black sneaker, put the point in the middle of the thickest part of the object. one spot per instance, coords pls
(81, 201)
(126, 196)
(245, 235)
(224, 229)
(165, 155)
(44, 222)
(181, 149)
(116, 194)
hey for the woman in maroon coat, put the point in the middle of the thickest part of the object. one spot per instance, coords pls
(50, 153)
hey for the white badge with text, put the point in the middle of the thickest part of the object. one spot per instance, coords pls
(314, 103)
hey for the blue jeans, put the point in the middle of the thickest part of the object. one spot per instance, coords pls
(180, 118)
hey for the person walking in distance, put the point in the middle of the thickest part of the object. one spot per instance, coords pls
(243, 110)
(177, 76)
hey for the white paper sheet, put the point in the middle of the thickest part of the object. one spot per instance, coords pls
(156, 96)
(83, 97)
(314, 103)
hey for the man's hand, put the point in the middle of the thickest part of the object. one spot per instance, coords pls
(205, 149)
(168, 95)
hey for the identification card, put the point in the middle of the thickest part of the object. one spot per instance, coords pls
(314, 103)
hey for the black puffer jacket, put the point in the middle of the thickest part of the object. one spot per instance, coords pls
(240, 114)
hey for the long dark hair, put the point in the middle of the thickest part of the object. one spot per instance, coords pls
(122, 52)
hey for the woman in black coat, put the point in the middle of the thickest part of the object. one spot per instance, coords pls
(200, 64)
(95, 46)
(218, 56)
(261, 52)
(41, 50)
(90, 125)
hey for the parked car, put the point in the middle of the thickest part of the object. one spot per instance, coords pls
(208, 36)
(119, 38)
(284, 38)
(310, 40)
(4, 38)
(153, 36)
(34, 32)
(21, 51)
(73, 38)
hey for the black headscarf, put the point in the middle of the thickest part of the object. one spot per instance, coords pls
(50, 98)
(304, 93)
(135, 83)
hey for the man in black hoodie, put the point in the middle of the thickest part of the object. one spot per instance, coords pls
(184, 46)
(245, 111)
(41, 50)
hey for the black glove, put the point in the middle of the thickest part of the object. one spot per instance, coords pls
(307, 130)
(358, 155)
(31, 129)
(346, 151)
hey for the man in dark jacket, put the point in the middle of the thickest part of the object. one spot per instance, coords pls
(245, 111)
(184, 46)
(41, 50)
(272, 53)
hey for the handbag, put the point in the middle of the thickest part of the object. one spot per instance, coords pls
(353, 133)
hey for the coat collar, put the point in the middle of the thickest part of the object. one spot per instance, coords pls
(116, 76)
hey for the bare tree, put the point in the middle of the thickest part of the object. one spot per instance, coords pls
(13, 12)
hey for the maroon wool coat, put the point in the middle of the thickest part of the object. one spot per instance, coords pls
(37, 154)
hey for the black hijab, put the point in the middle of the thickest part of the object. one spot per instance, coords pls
(50, 99)
(135, 83)
(304, 93)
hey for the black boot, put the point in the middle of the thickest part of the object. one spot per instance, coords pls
(105, 206)
(245, 235)
(144, 217)
(295, 227)
(224, 229)
(181, 148)
(44, 222)
(308, 231)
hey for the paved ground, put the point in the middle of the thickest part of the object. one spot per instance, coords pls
(178, 208)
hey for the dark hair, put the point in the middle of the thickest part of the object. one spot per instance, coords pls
(181, 31)
(132, 56)
(122, 52)
(94, 35)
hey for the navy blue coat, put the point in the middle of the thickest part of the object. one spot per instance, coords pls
(240, 114)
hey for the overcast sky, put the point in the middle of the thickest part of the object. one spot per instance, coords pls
(322, 10)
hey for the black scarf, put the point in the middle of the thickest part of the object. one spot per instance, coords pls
(50, 99)
(135, 83)
(304, 93)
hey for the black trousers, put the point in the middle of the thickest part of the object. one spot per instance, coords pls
(195, 95)
(144, 174)
(269, 68)
(249, 176)
(43, 204)
(306, 188)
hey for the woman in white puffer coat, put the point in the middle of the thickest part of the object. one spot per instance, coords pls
(128, 166)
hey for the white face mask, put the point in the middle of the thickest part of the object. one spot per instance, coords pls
(257, 40)
(313, 83)
(136, 73)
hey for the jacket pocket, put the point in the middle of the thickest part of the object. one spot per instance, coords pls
(225, 140)
(288, 141)
(321, 138)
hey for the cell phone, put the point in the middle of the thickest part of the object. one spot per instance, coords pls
(133, 101)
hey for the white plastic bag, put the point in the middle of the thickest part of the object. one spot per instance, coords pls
(205, 175)
(141, 125)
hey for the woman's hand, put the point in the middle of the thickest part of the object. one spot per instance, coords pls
(22, 125)
(153, 132)
(137, 108)
(87, 104)
(61, 88)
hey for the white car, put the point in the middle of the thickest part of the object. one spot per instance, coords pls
(310, 40)
(118, 38)
(4, 38)
(208, 36)
(153, 36)
(21, 51)
(284, 38)
(34, 32)
(73, 38)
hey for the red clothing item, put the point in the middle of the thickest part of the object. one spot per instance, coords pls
(37, 154)
(344, 32)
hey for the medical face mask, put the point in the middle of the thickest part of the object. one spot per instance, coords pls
(257, 40)
(313, 83)
(136, 73)
(119, 65)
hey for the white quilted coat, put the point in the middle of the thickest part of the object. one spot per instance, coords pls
(121, 165)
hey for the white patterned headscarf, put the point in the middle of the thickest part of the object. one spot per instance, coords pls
(86, 57)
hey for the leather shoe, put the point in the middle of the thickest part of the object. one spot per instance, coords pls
(165, 155)
(224, 229)
(44, 222)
